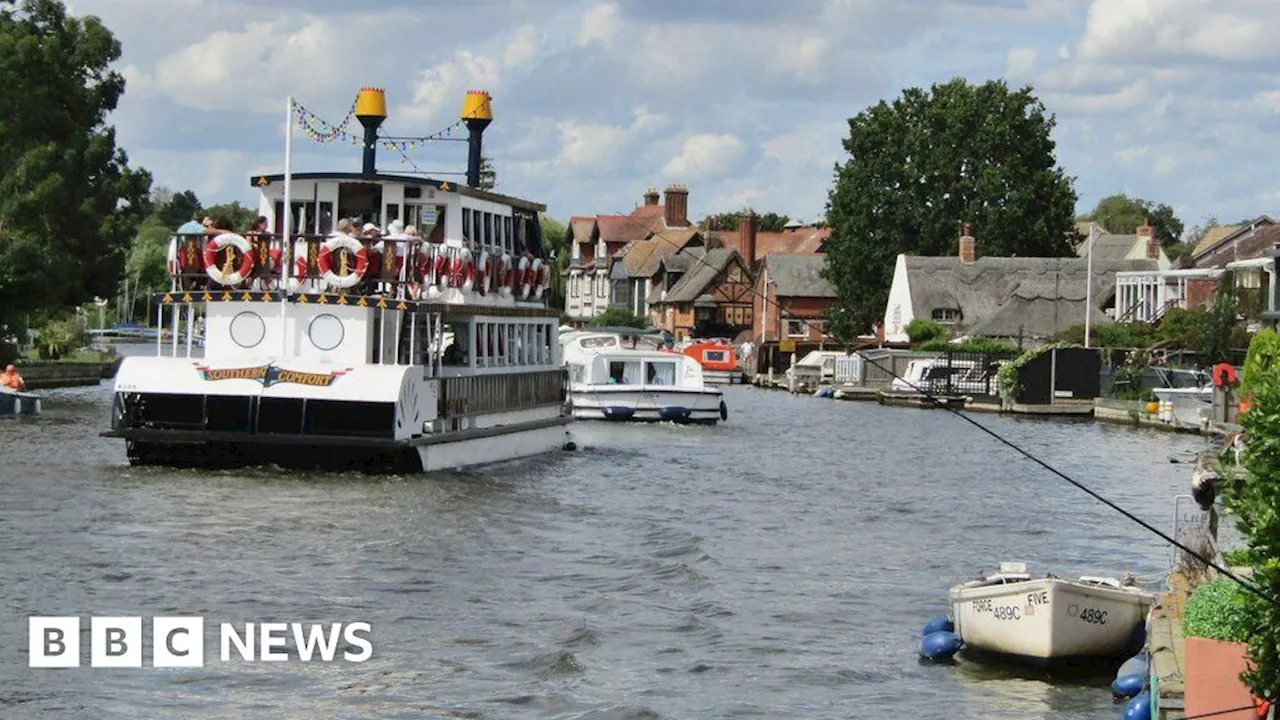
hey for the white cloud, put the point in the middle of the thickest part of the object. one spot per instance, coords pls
(705, 155)
(599, 23)
(1019, 62)
(438, 90)
(1227, 30)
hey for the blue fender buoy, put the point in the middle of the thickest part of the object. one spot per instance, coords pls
(1135, 664)
(1139, 708)
(618, 412)
(940, 645)
(674, 412)
(1127, 686)
(939, 623)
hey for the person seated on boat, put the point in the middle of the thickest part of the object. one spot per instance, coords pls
(192, 226)
(11, 379)
(217, 226)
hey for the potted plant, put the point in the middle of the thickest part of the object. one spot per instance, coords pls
(1214, 623)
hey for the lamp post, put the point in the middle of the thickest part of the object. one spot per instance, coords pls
(1088, 286)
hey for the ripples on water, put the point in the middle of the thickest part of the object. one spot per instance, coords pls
(777, 566)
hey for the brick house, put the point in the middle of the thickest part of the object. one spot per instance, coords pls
(790, 298)
(595, 240)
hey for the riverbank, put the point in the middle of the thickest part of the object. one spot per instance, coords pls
(56, 374)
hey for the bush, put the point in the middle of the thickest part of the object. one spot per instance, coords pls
(60, 337)
(921, 331)
(1217, 610)
(1263, 357)
(617, 317)
(1254, 498)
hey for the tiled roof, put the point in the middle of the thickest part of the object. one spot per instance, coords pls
(1218, 236)
(700, 276)
(643, 257)
(801, 241)
(582, 229)
(798, 276)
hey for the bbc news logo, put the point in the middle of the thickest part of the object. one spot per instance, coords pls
(179, 642)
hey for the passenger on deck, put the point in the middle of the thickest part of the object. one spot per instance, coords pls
(343, 227)
(192, 226)
(11, 380)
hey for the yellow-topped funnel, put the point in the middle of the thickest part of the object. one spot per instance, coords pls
(477, 112)
(371, 110)
(371, 102)
(476, 106)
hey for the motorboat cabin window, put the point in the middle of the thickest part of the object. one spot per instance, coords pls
(488, 230)
(508, 245)
(602, 341)
(714, 356)
(466, 221)
(795, 328)
(624, 372)
(661, 373)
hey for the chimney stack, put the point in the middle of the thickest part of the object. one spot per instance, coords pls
(713, 223)
(477, 112)
(371, 110)
(968, 247)
(748, 225)
(1145, 231)
(677, 206)
(651, 197)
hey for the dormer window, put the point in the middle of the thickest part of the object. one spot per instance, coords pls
(946, 315)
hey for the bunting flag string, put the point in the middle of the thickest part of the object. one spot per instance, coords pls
(322, 131)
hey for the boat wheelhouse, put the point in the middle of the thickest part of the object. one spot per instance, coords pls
(428, 346)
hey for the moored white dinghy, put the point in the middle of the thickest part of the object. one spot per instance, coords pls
(1048, 619)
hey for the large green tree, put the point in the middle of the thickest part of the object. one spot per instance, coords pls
(1124, 215)
(69, 203)
(555, 242)
(925, 165)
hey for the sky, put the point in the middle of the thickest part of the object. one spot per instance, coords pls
(745, 102)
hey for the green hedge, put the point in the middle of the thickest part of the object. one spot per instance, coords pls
(1216, 610)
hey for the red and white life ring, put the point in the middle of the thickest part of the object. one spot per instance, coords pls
(483, 273)
(543, 275)
(299, 278)
(520, 279)
(530, 272)
(462, 271)
(325, 262)
(217, 244)
(175, 269)
(502, 275)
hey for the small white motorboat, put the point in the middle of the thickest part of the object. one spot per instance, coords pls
(612, 382)
(1048, 619)
(18, 403)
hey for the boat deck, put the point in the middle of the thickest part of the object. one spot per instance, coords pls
(1167, 648)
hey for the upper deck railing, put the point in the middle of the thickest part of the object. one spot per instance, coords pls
(394, 267)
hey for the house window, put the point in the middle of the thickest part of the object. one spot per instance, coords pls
(796, 328)
(946, 315)
(602, 290)
(576, 252)
(573, 285)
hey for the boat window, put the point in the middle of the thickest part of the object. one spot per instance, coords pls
(477, 227)
(715, 356)
(325, 220)
(598, 342)
(624, 372)
(661, 373)
(456, 345)
(488, 230)
(575, 373)
(508, 244)
(466, 221)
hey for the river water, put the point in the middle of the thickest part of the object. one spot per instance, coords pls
(777, 566)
